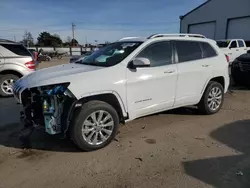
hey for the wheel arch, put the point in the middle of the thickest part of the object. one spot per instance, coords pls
(219, 79)
(109, 97)
(8, 71)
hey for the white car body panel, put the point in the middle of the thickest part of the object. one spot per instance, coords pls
(142, 91)
(151, 89)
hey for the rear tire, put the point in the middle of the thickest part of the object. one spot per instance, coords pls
(212, 99)
(6, 82)
(90, 130)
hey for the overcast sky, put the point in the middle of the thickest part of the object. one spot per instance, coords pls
(102, 20)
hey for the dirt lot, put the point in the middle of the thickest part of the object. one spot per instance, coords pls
(178, 148)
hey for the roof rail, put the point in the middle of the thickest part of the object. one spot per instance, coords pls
(126, 38)
(5, 40)
(176, 35)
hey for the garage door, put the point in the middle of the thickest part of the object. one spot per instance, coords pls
(206, 29)
(239, 28)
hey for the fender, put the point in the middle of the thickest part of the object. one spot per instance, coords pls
(122, 105)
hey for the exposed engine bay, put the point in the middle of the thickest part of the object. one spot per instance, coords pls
(48, 106)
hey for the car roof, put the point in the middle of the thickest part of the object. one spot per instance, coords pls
(5, 41)
(175, 36)
(168, 38)
(224, 40)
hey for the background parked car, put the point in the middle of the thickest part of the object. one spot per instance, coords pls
(15, 62)
(78, 57)
(240, 70)
(233, 48)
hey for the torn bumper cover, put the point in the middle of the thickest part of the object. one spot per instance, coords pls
(49, 106)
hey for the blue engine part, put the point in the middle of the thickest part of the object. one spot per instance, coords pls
(52, 115)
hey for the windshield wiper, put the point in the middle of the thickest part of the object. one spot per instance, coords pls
(91, 64)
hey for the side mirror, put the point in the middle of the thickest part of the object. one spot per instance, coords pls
(140, 62)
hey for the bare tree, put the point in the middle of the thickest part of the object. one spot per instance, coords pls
(69, 39)
(28, 39)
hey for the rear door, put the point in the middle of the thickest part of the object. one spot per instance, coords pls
(242, 47)
(193, 72)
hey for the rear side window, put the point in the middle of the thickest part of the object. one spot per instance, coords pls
(241, 44)
(188, 51)
(17, 49)
(208, 50)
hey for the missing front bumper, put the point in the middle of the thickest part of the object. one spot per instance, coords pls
(50, 111)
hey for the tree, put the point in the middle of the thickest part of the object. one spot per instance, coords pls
(56, 41)
(69, 39)
(28, 39)
(67, 42)
(74, 42)
(46, 39)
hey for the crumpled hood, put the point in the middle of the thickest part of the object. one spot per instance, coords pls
(56, 74)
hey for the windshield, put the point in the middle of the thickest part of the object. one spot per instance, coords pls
(223, 44)
(110, 55)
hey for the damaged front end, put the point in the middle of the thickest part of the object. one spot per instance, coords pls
(50, 106)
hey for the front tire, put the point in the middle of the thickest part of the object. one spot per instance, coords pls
(212, 99)
(6, 82)
(95, 126)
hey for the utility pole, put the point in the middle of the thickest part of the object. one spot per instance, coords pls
(15, 38)
(73, 34)
(26, 38)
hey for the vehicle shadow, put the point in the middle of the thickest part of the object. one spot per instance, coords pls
(226, 171)
(9, 137)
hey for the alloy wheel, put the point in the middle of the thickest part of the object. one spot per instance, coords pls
(6, 86)
(214, 98)
(97, 127)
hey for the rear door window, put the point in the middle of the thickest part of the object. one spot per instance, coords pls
(241, 44)
(17, 49)
(208, 50)
(188, 51)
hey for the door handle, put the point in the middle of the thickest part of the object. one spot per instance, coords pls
(237, 50)
(169, 71)
(205, 65)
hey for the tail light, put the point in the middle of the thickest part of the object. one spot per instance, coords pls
(227, 57)
(31, 65)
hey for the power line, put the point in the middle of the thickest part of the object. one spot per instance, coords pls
(96, 23)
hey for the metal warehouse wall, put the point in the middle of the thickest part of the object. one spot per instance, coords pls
(219, 11)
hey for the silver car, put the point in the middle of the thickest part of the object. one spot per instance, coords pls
(15, 61)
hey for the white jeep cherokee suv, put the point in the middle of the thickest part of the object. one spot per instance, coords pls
(127, 79)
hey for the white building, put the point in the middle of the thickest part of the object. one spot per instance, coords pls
(219, 19)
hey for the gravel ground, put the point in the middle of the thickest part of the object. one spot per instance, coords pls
(178, 148)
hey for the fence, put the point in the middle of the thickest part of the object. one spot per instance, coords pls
(69, 50)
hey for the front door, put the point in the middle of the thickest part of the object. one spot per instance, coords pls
(234, 50)
(152, 89)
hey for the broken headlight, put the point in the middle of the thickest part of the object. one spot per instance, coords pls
(55, 89)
